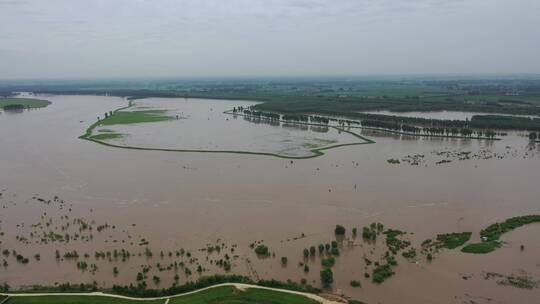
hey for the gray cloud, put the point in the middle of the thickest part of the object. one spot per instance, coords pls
(115, 38)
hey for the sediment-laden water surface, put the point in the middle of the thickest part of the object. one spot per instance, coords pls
(56, 186)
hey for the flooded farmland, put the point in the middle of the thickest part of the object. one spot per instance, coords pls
(55, 186)
(191, 118)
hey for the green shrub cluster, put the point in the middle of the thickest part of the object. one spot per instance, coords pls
(453, 240)
(494, 231)
(262, 250)
(381, 273)
(483, 247)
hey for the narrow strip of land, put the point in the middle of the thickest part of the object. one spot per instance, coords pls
(240, 286)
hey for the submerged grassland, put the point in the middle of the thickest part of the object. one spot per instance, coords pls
(132, 117)
(119, 117)
(22, 103)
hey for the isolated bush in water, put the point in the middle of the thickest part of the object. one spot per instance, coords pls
(262, 250)
(327, 277)
(340, 230)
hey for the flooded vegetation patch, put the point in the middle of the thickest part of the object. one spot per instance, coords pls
(15, 104)
(262, 250)
(381, 273)
(133, 117)
(482, 247)
(393, 161)
(445, 156)
(431, 247)
(491, 234)
(327, 277)
(453, 240)
(382, 249)
(394, 242)
(494, 231)
(522, 280)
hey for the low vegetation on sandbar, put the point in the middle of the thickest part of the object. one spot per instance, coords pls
(453, 240)
(494, 231)
(490, 237)
(521, 280)
(482, 247)
(491, 234)
(22, 103)
(120, 117)
(131, 117)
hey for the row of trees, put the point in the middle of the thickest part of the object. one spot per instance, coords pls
(301, 118)
(441, 131)
(492, 122)
(267, 115)
(478, 125)
(286, 117)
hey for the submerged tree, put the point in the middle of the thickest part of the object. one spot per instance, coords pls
(340, 230)
(327, 277)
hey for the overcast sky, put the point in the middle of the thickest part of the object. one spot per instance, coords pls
(164, 38)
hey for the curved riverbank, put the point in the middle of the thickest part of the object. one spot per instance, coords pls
(239, 286)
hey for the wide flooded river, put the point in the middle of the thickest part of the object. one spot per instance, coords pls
(179, 203)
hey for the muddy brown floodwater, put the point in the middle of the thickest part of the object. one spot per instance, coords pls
(189, 201)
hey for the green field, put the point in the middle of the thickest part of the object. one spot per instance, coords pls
(453, 240)
(229, 294)
(481, 248)
(221, 295)
(123, 117)
(27, 103)
(75, 300)
(132, 117)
